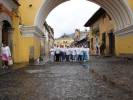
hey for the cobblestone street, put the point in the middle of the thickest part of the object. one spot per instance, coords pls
(60, 81)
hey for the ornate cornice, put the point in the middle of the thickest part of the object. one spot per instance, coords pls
(30, 31)
(126, 31)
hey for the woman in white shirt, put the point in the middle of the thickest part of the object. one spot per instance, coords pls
(52, 52)
(6, 55)
(74, 53)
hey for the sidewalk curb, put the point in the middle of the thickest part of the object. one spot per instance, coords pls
(11, 70)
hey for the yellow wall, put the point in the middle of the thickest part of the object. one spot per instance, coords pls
(130, 2)
(124, 45)
(37, 46)
(24, 50)
(27, 13)
(16, 39)
(26, 43)
(21, 45)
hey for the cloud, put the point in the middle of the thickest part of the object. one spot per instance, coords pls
(70, 15)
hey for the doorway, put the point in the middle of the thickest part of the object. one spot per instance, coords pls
(6, 34)
(111, 44)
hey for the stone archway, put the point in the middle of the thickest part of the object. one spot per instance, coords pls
(3, 17)
(119, 11)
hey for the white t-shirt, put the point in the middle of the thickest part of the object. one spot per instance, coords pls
(71, 51)
(74, 52)
(81, 51)
(6, 50)
(68, 51)
(78, 51)
(87, 51)
(62, 50)
(57, 50)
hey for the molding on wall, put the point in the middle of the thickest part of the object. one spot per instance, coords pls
(124, 32)
(30, 31)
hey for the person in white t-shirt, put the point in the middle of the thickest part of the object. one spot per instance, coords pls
(78, 52)
(81, 53)
(6, 55)
(67, 54)
(62, 53)
(57, 53)
(71, 52)
(52, 54)
(74, 53)
(88, 53)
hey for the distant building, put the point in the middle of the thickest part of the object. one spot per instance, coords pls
(81, 38)
(65, 40)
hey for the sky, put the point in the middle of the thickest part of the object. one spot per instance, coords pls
(71, 15)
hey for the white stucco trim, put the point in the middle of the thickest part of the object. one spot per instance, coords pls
(4, 16)
(124, 32)
(30, 31)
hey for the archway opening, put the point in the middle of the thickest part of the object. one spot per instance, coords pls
(75, 16)
(6, 33)
(119, 11)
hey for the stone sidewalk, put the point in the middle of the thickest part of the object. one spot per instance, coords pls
(22, 65)
(12, 68)
(116, 71)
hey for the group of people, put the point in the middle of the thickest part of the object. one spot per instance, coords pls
(69, 54)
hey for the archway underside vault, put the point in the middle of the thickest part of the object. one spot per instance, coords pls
(118, 10)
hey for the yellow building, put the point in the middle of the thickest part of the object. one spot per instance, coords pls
(101, 33)
(8, 23)
(25, 39)
(65, 40)
(121, 16)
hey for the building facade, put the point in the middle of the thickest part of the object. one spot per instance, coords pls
(8, 14)
(81, 38)
(49, 39)
(102, 37)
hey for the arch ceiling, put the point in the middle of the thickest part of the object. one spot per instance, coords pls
(4, 16)
(118, 10)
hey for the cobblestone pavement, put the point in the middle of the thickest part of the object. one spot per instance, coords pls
(117, 71)
(59, 81)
